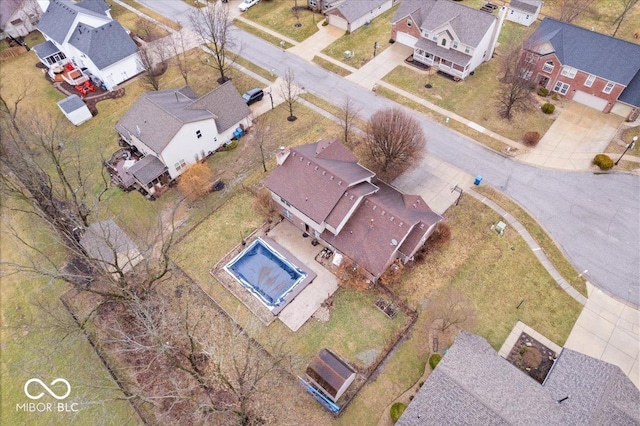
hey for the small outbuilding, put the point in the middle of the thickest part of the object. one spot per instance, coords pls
(524, 12)
(330, 374)
(75, 109)
(107, 243)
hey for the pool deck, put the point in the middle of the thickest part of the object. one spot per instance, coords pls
(288, 241)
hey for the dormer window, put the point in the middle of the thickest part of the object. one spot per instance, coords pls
(435, 37)
(455, 44)
(548, 67)
(444, 42)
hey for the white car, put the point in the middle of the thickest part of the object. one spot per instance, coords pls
(246, 4)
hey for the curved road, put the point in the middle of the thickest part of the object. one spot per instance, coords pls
(595, 218)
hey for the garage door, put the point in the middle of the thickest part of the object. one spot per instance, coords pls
(337, 21)
(406, 39)
(590, 100)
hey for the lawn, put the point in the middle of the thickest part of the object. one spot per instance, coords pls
(130, 21)
(276, 41)
(475, 97)
(278, 15)
(601, 16)
(40, 339)
(361, 41)
(330, 66)
(158, 17)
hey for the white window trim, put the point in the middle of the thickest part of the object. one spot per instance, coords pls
(569, 72)
(589, 81)
(608, 88)
(561, 87)
(548, 67)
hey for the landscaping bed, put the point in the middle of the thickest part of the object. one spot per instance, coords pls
(532, 357)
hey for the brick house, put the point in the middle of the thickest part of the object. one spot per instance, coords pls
(449, 36)
(594, 69)
(321, 188)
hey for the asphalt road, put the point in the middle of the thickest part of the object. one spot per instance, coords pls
(595, 218)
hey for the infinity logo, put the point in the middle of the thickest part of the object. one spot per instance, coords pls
(46, 388)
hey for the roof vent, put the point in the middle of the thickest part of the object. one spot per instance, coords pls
(394, 242)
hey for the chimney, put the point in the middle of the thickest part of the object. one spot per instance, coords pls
(282, 155)
(492, 47)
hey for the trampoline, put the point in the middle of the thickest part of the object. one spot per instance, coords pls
(267, 274)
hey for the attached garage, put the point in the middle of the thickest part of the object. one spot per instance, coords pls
(590, 100)
(406, 39)
(337, 21)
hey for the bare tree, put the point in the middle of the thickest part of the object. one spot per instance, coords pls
(349, 114)
(179, 49)
(149, 60)
(627, 5)
(290, 92)
(451, 308)
(45, 175)
(145, 28)
(394, 142)
(261, 134)
(515, 92)
(12, 111)
(571, 9)
(212, 24)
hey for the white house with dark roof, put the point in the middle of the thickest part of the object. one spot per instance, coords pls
(591, 68)
(174, 128)
(524, 12)
(84, 34)
(350, 15)
(449, 36)
(473, 385)
(321, 188)
(18, 17)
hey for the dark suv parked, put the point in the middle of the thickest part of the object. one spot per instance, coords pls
(254, 95)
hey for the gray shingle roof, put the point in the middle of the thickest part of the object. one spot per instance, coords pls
(147, 169)
(105, 45)
(474, 385)
(56, 22)
(631, 93)
(45, 49)
(156, 117)
(226, 104)
(607, 57)
(354, 9)
(104, 240)
(527, 6)
(470, 25)
(98, 6)
(71, 103)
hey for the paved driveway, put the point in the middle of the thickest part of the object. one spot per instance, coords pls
(577, 135)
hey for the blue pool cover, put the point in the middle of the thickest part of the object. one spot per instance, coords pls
(265, 273)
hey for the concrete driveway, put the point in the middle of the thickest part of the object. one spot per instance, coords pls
(577, 135)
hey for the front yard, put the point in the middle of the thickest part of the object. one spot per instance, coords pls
(279, 15)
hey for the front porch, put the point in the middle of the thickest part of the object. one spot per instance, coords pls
(442, 64)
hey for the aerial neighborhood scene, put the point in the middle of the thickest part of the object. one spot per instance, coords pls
(320, 212)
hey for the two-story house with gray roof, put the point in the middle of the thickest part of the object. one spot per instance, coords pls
(84, 35)
(18, 17)
(174, 128)
(321, 188)
(449, 36)
(594, 69)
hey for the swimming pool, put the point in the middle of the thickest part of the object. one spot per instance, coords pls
(267, 274)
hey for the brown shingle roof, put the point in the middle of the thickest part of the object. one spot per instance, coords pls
(314, 177)
(347, 201)
(329, 371)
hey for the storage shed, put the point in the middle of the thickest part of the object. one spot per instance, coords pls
(109, 245)
(330, 374)
(75, 109)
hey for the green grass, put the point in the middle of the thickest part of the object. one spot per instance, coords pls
(256, 69)
(276, 41)
(158, 17)
(278, 16)
(40, 339)
(362, 40)
(552, 251)
(330, 66)
(601, 16)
